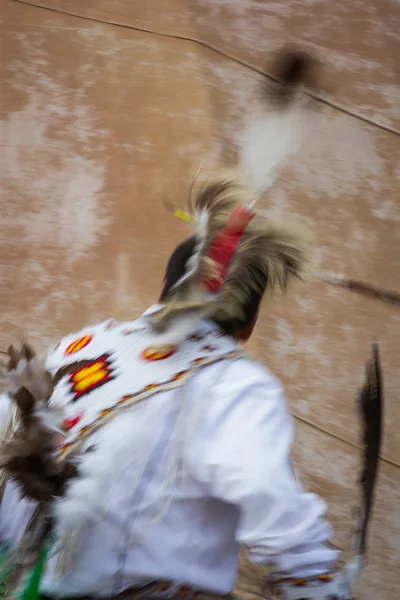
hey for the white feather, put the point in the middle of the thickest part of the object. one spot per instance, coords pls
(269, 138)
(50, 416)
(193, 263)
(353, 569)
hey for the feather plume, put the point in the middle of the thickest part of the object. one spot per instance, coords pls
(24, 371)
(371, 409)
(370, 403)
(28, 456)
(174, 322)
(270, 137)
(216, 197)
(276, 129)
(293, 69)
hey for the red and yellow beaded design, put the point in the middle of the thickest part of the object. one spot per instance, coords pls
(78, 344)
(94, 374)
(153, 353)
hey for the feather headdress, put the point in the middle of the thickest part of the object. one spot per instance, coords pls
(275, 129)
(235, 251)
(28, 452)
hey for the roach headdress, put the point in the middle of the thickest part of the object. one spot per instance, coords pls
(236, 255)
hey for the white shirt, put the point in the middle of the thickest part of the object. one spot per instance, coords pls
(216, 473)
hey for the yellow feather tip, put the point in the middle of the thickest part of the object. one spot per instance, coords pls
(184, 216)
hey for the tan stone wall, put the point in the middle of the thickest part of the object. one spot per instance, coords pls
(101, 125)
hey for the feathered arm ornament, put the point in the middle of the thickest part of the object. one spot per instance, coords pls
(28, 456)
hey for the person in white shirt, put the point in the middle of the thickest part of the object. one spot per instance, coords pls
(144, 454)
(177, 442)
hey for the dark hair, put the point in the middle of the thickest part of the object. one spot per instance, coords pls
(175, 269)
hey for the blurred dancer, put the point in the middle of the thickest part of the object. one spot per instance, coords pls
(152, 450)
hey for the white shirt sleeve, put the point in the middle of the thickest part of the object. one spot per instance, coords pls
(248, 434)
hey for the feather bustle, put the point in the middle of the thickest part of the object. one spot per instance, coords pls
(27, 456)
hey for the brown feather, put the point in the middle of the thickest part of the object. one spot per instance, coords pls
(28, 456)
(14, 358)
(27, 352)
(293, 69)
(219, 195)
(371, 409)
(28, 459)
(361, 287)
(270, 253)
(25, 401)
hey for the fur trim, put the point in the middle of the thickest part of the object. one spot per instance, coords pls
(264, 253)
(272, 134)
(216, 197)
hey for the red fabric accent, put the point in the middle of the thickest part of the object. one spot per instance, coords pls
(225, 244)
(71, 422)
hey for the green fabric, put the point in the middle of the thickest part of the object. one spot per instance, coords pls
(31, 591)
(33, 579)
